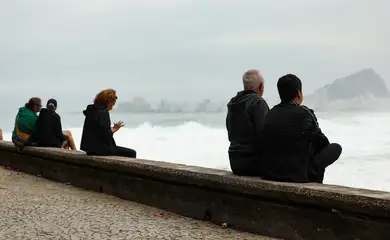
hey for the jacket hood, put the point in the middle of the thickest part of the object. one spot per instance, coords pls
(45, 111)
(25, 112)
(242, 96)
(93, 108)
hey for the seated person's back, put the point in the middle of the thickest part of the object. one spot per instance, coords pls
(244, 122)
(49, 128)
(97, 137)
(25, 123)
(294, 147)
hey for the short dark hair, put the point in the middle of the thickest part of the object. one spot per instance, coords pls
(51, 105)
(288, 87)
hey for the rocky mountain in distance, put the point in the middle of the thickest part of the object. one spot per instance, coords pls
(363, 90)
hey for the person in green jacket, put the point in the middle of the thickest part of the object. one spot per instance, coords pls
(23, 133)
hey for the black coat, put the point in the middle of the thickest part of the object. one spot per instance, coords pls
(291, 139)
(244, 122)
(97, 137)
(49, 129)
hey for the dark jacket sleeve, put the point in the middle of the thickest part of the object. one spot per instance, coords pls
(320, 141)
(259, 111)
(58, 128)
(105, 125)
(36, 135)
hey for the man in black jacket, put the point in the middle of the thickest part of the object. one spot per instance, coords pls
(294, 147)
(244, 122)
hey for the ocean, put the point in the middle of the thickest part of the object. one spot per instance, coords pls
(200, 139)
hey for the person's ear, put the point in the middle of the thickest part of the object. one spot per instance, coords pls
(300, 96)
(261, 89)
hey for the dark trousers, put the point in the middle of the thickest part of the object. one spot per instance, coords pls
(323, 159)
(125, 152)
(119, 151)
(245, 164)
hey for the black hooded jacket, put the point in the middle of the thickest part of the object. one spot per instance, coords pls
(291, 139)
(97, 137)
(48, 129)
(244, 122)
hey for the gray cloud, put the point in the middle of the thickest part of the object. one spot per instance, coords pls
(184, 48)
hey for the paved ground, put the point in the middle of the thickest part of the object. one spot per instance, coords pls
(35, 208)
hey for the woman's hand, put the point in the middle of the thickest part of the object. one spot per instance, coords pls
(117, 126)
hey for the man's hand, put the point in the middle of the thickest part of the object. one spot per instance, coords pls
(117, 126)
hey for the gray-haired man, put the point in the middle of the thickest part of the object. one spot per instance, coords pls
(244, 122)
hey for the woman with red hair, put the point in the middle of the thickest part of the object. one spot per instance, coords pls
(97, 137)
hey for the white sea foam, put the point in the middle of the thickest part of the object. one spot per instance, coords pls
(365, 161)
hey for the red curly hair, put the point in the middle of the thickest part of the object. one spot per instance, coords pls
(106, 96)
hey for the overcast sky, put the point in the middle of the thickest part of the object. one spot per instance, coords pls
(182, 48)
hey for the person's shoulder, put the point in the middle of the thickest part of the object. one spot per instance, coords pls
(257, 103)
(307, 108)
(103, 113)
(258, 100)
(261, 99)
(288, 109)
(44, 113)
(282, 107)
(56, 115)
(308, 113)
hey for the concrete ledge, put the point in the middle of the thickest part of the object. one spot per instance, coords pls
(281, 210)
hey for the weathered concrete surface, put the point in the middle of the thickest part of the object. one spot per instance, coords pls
(281, 210)
(362, 201)
(35, 208)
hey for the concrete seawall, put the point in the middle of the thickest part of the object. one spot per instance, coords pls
(280, 210)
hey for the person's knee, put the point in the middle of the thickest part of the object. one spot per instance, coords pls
(67, 132)
(134, 153)
(336, 148)
(64, 144)
(126, 152)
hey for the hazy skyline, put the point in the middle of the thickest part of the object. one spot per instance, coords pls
(187, 49)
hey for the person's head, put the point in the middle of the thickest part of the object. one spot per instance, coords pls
(107, 97)
(51, 105)
(253, 80)
(34, 104)
(290, 89)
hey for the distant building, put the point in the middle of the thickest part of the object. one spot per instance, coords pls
(137, 105)
(140, 105)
